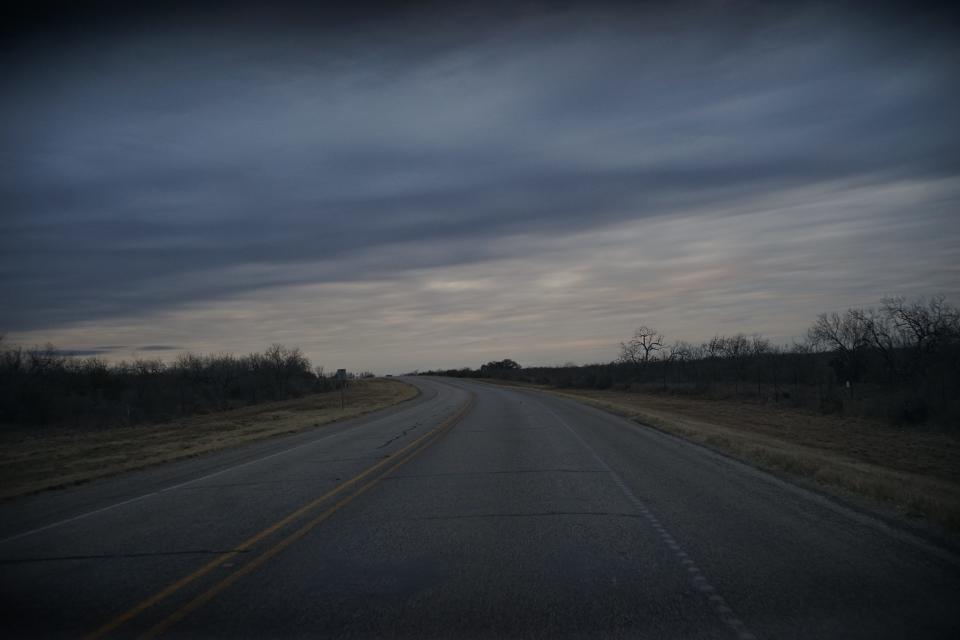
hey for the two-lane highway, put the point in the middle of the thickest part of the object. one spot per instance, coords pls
(473, 511)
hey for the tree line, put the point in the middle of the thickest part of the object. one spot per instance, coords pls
(43, 386)
(899, 361)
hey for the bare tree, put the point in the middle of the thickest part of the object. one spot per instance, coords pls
(679, 352)
(646, 342)
(847, 335)
(737, 350)
(929, 331)
(880, 334)
(924, 325)
(759, 348)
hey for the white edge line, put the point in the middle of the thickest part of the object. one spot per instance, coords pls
(822, 499)
(81, 516)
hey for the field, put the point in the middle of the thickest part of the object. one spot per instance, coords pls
(33, 459)
(915, 470)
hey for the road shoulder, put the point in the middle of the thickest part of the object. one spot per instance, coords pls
(855, 462)
(36, 460)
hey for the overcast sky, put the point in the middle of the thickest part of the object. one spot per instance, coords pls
(446, 185)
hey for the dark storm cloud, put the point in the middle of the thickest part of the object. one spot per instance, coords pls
(105, 350)
(150, 163)
(82, 353)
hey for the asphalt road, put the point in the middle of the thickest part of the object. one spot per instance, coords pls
(472, 511)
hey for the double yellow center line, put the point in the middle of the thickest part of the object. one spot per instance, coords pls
(372, 475)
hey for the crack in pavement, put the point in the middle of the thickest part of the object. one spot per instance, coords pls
(227, 485)
(492, 473)
(502, 430)
(118, 556)
(400, 435)
(538, 514)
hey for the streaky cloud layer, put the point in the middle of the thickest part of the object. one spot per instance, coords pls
(436, 187)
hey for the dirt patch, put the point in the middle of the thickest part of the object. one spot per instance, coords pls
(33, 460)
(914, 470)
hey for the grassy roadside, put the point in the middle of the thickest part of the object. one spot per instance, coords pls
(33, 460)
(914, 471)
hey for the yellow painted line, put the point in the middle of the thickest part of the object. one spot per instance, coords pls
(169, 590)
(215, 590)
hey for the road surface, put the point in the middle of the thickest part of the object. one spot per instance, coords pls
(472, 511)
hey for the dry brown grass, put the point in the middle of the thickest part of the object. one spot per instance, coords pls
(32, 460)
(914, 470)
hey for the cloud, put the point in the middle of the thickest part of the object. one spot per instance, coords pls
(769, 269)
(81, 353)
(199, 165)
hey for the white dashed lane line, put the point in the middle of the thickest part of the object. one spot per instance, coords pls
(714, 600)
